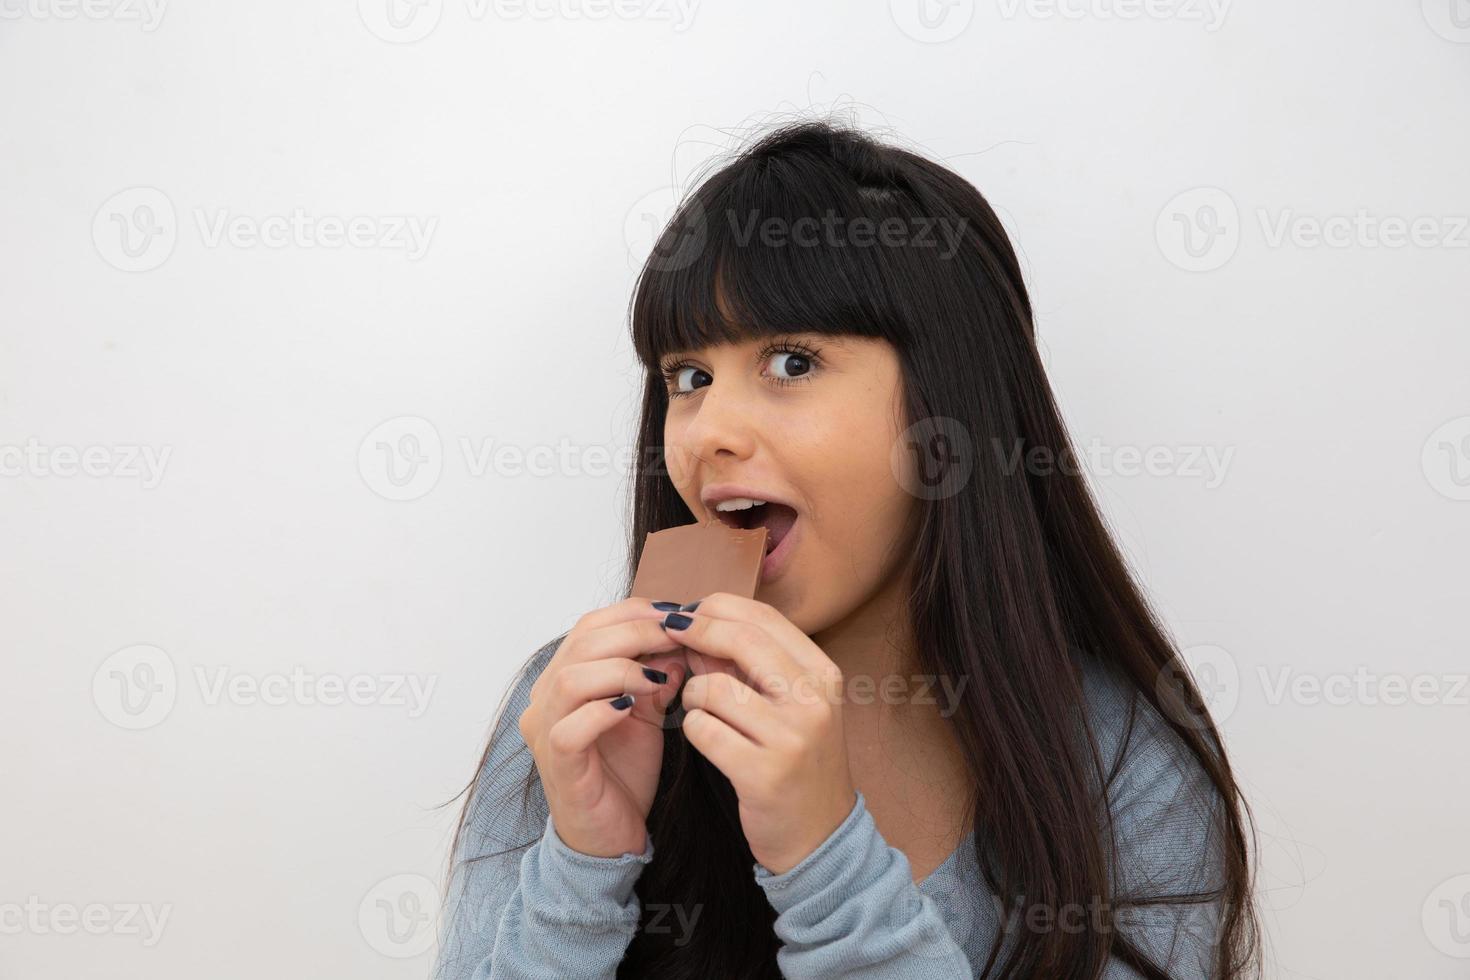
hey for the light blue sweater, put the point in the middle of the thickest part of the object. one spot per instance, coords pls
(850, 908)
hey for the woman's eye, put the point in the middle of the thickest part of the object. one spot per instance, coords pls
(683, 374)
(795, 365)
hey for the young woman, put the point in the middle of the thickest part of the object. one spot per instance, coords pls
(948, 737)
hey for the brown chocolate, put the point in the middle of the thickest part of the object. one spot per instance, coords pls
(681, 564)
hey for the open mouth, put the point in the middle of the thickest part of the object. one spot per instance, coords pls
(776, 518)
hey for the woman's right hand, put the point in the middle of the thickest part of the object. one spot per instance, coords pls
(599, 765)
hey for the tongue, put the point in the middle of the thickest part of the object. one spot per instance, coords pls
(777, 520)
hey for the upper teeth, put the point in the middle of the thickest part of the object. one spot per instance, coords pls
(738, 503)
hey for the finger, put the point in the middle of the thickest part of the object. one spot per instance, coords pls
(736, 704)
(570, 740)
(701, 664)
(574, 684)
(799, 646)
(633, 607)
(747, 645)
(629, 638)
(730, 752)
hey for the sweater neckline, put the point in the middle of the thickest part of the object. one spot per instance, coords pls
(944, 865)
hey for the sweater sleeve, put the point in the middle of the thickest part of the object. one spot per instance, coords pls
(521, 904)
(851, 909)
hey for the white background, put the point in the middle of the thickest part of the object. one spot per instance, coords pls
(540, 150)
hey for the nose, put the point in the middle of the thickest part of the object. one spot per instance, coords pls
(723, 428)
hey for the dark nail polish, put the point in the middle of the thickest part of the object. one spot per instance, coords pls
(626, 701)
(677, 621)
(691, 606)
(657, 676)
(667, 606)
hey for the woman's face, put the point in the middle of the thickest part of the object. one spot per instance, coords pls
(808, 421)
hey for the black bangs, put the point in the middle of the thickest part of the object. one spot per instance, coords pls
(773, 244)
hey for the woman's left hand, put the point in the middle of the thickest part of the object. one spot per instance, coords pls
(774, 727)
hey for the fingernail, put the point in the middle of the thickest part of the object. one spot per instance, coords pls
(657, 676)
(626, 701)
(691, 606)
(667, 606)
(676, 621)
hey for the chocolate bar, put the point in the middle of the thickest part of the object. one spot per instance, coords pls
(681, 564)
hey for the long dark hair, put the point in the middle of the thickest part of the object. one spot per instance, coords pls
(1014, 575)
